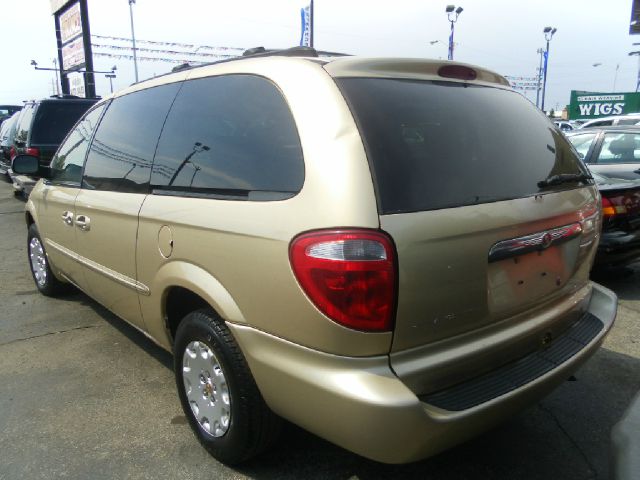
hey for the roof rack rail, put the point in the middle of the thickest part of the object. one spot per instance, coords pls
(259, 52)
(64, 95)
(291, 52)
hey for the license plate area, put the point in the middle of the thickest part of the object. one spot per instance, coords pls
(521, 280)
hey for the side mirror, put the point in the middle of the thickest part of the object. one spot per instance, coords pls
(25, 165)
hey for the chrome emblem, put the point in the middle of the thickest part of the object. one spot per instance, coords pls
(546, 242)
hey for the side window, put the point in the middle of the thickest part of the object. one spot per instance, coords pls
(582, 143)
(231, 135)
(620, 148)
(66, 165)
(121, 153)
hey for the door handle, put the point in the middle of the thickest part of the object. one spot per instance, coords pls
(83, 222)
(637, 171)
(67, 218)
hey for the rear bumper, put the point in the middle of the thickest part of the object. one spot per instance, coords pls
(361, 405)
(617, 248)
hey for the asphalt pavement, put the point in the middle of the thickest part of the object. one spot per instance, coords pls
(85, 396)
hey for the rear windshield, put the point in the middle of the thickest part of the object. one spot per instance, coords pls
(54, 120)
(434, 145)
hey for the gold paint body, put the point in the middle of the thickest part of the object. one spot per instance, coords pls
(457, 316)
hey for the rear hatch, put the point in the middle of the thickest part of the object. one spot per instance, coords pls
(457, 168)
(52, 122)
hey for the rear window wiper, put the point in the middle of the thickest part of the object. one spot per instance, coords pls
(564, 178)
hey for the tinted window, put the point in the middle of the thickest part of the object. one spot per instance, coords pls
(66, 166)
(620, 148)
(22, 132)
(122, 150)
(230, 135)
(437, 145)
(54, 119)
(583, 142)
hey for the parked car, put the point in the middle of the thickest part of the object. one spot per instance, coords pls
(7, 110)
(42, 126)
(394, 276)
(620, 240)
(7, 133)
(611, 151)
(564, 126)
(613, 121)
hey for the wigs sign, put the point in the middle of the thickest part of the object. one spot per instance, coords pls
(594, 105)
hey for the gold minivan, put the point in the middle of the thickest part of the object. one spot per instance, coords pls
(393, 254)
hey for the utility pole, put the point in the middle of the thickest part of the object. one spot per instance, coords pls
(133, 39)
(311, 24)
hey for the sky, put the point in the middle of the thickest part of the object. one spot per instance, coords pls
(500, 35)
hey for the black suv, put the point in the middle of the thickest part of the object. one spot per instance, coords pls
(43, 124)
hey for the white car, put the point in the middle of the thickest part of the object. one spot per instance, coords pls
(631, 119)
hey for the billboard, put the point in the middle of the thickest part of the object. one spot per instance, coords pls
(70, 23)
(73, 55)
(73, 38)
(589, 105)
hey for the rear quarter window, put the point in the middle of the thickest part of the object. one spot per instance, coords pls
(230, 135)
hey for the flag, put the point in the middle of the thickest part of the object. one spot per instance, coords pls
(305, 35)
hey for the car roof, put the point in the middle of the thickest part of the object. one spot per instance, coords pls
(336, 64)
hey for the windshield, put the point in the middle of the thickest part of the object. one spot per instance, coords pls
(434, 145)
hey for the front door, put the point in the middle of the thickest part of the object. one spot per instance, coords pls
(56, 198)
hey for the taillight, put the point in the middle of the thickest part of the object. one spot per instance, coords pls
(32, 151)
(612, 206)
(349, 275)
(460, 72)
(12, 152)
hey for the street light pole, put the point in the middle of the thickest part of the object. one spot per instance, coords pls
(110, 76)
(133, 39)
(636, 53)
(55, 67)
(452, 15)
(548, 35)
(541, 53)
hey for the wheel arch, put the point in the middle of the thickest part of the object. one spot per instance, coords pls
(183, 288)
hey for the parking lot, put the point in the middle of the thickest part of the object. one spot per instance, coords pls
(83, 395)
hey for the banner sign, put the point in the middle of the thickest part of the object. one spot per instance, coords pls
(305, 36)
(70, 23)
(588, 105)
(73, 54)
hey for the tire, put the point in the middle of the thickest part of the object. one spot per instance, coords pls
(226, 411)
(40, 267)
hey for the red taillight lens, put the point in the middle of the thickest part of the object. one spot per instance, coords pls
(12, 152)
(349, 275)
(32, 151)
(612, 206)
